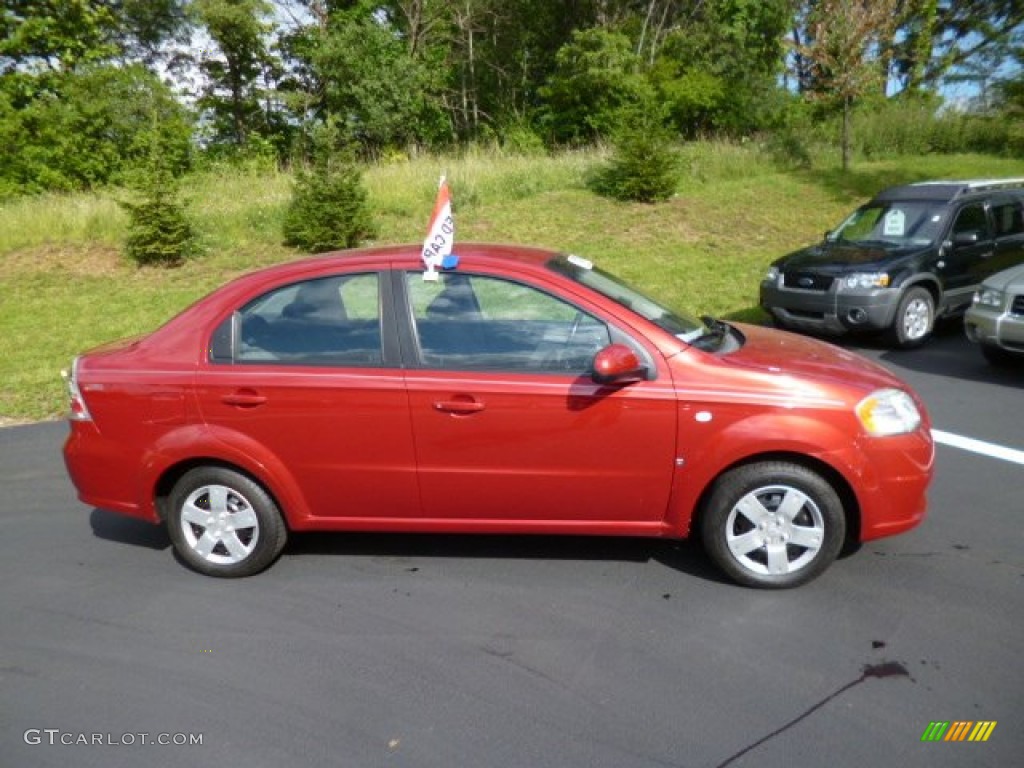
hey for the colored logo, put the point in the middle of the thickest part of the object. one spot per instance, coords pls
(958, 730)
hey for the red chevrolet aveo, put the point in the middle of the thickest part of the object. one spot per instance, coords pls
(523, 391)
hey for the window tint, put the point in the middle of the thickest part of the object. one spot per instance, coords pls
(477, 322)
(1008, 219)
(331, 321)
(971, 219)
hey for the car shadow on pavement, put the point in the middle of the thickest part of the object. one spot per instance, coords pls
(683, 556)
(127, 530)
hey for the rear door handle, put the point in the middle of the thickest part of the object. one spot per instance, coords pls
(463, 407)
(244, 398)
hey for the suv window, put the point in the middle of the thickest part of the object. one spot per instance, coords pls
(477, 322)
(332, 321)
(899, 223)
(1008, 218)
(972, 220)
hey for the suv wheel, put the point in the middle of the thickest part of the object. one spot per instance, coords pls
(915, 318)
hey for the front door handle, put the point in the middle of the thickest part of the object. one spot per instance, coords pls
(459, 406)
(244, 398)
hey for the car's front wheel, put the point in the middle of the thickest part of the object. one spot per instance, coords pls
(773, 524)
(915, 318)
(222, 523)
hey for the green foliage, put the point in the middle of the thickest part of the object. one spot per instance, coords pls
(87, 127)
(159, 230)
(596, 81)
(387, 98)
(235, 71)
(717, 70)
(644, 166)
(58, 34)
(328, 209)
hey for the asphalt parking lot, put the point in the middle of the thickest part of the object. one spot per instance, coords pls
(366, 650)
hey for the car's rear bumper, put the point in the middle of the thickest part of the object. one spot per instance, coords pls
(995, 329)
(832, 311)
(100, 474)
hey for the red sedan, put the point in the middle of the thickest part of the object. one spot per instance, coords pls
(524, 391)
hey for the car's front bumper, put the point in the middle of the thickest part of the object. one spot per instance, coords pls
(894, 483)
(995, 328)
(833, 311)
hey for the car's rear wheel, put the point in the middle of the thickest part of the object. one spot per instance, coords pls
(773, 524)
(915, 318)
(222, 523)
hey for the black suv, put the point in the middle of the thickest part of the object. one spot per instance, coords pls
(913, 254)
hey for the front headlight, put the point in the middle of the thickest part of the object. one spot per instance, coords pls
(863, 280)
(888, 412)
(989, 297)
(772, 275)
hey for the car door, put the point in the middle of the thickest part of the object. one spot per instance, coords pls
(304, 374)
(511, 431)
(1008, 225)
(968, 252)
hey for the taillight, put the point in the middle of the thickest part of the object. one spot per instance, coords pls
(77, 410)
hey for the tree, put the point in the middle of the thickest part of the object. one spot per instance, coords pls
(596, 81)
(644, 166)
(939, 38)
(160, 232)
(328, 209)
(845, 44)
(74, 98)
(717, 66)
(88, 127)
(236, 79)
(381, 95)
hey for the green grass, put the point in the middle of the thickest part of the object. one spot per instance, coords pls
(65, 286)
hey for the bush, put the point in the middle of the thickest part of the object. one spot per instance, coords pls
(643, 167)
(328, 208)
(159, 230)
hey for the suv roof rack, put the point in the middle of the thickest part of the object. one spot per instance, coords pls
(973, 185)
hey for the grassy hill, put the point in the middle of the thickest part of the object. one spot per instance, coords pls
(66, 287)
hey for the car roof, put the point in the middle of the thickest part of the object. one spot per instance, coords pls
(403, 256)
(948, 190)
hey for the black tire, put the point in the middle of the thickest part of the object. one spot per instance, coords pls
(915, 318)
(224, 524)
(773, 525)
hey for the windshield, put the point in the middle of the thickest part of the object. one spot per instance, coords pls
(895, 222)
(582, 271)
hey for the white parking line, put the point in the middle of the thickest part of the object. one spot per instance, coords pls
(978, 446)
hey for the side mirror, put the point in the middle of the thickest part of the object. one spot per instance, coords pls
(965, 238)
(618, 364)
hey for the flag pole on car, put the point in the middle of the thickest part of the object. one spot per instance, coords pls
(437, 246)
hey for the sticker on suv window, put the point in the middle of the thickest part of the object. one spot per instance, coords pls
(895, 223)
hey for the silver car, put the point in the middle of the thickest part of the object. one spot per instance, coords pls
(995, 319)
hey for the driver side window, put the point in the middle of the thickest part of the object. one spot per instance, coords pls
(474, 322)
(972, 220)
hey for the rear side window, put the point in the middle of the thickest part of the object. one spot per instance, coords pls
(332, 321)
(1008, 218)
